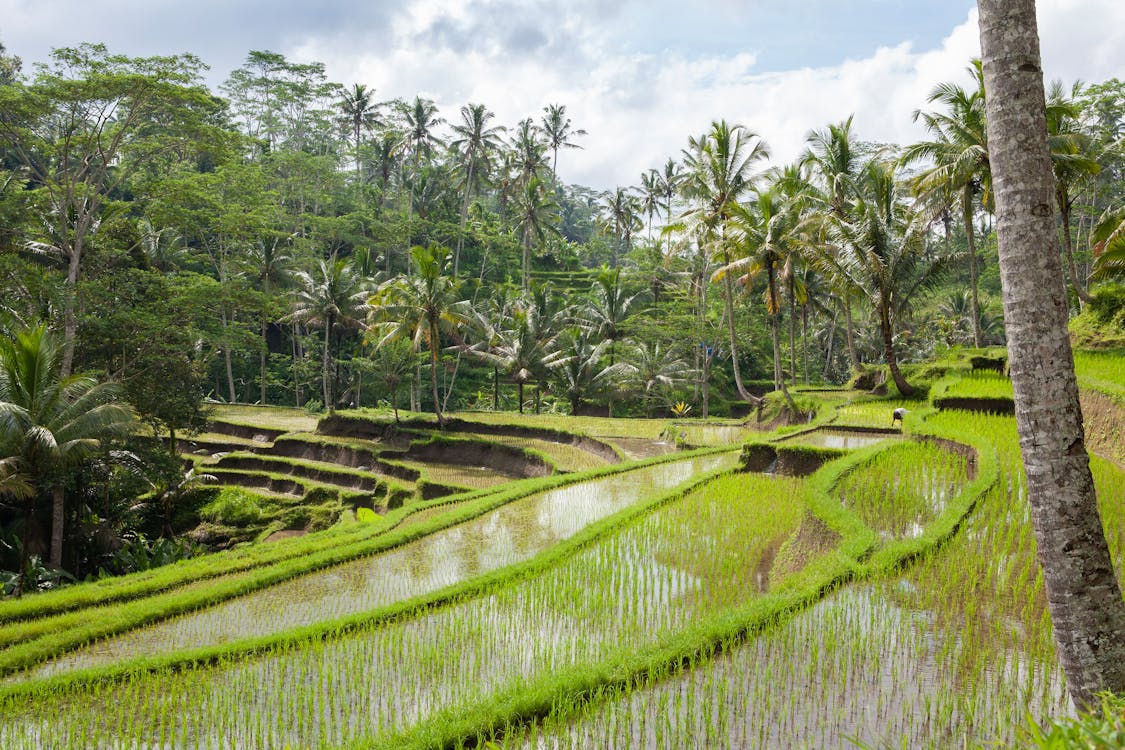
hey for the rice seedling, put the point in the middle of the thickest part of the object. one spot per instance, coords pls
(508, 534)
(953, 650)
(693, 556)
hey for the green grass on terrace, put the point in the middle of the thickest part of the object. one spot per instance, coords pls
(1102, 371)
(271, 417)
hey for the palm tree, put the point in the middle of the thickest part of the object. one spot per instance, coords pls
(48, 423)
(880, 246)
(529, 152)
(333, 299)
(420, 139)
(476, 142)
(1109, 244)
(1083, 593)
(719, 173)
(653, 373)
(1073, 161)
(837, 159)
(959, 157)
(421, 307)
(272, 269)
(622, 218)
(651, 196)
(537, 217)
(521, 348)
(608, 307)
(359, 114)
(671, 177)
(769, 236)
(577, 365)
(558, 130)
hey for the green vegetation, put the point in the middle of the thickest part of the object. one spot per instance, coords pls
(366, 386)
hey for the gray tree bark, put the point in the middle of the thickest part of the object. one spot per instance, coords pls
(1082, 592)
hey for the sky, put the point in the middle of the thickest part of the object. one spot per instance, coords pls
(640, 76)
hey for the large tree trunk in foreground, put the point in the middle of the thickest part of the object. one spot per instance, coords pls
(1084, 597)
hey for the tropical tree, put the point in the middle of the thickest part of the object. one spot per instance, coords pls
(334, 299)
(958, 159)
(49, 422)
(522, 348)
(1109, 244)
(579, 367)
(536, 218)
(1074, 161)
(719, 172)
(836, 159)
(359, 114)
(621, 218)
(1083, 593)
(528, 152)
(420, 307)
(476, 142)
(271, 268)
(559, 132)
(880, 255)
(420, 138)
(653, 374)
(83, 128)
(651, 194)
(769, 231)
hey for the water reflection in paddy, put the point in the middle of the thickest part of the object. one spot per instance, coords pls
(510, 534)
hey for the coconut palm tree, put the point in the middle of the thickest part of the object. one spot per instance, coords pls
(521, 348)
(880, 245)
(652, 373)
(420, 307)
(334, 299)
(578, 366)
(1083, 593)
(476, 142)
(529, 152)
(537, 216)
(719, 172)
(958, 155)
(420, 120)
(1109, 244)
(769, 231)
(621, 218)
(272, 269)
(48, 423)
(1073, 161)
(836, 159)
(651, 194)
(359, 114)
(559, 132)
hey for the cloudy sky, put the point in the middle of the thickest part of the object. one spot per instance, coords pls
(640, 76)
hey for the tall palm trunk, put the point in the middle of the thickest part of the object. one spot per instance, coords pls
(728, 292)
(326, 377)
(1082, 591)
(970, 234)
(262, 358)
(849, 328)
(434, 344)
(464, 220)
(226, 358)
(58, 518)
(887, 329)
(778, 374)
(1065, 205)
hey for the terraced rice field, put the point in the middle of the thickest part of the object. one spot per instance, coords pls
(891, 599)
